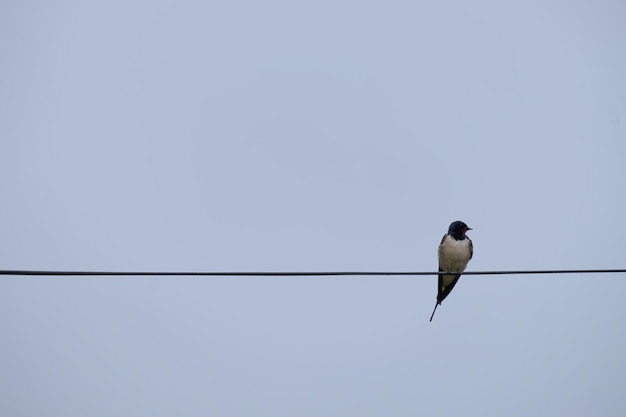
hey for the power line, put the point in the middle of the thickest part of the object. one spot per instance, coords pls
(299, 274)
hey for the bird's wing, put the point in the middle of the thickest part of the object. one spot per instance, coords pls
(446, 282)
(445, 285)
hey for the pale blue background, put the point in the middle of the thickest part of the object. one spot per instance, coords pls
(327, 135)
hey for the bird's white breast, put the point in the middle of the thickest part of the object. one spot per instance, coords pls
(454, 254)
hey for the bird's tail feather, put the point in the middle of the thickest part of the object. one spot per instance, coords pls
(435, 309)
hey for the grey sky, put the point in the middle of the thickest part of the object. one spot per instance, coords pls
(320, 136)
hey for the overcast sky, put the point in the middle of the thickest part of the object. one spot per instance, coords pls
(318, 136)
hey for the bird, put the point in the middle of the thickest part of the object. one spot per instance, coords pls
(455, 251)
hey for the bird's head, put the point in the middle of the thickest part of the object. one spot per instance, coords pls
(458, 229)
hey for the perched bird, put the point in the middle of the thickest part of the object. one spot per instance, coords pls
(455, 251)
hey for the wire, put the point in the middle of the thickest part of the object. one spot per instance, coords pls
(300, 274)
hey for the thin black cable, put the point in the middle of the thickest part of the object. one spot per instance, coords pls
(298, 274)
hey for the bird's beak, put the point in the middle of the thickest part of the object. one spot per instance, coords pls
(469, 228)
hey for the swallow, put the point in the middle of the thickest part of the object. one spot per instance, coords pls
(455, 251)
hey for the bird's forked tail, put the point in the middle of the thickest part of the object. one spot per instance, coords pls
(435, 309)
